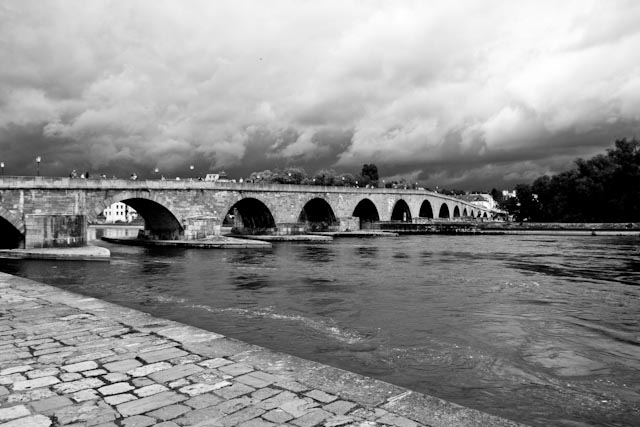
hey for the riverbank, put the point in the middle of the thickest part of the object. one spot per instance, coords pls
(559, 228)
(68, 359)
(83, 253)
(215, 242)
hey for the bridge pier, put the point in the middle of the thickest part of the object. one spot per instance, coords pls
(199, 227)
(349, 223)
(54, 231)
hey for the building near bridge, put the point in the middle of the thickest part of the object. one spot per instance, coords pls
(481, 200)
(119, 212)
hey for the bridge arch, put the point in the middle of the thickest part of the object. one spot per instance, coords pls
(401, 212)
(367, 212)
(318, 215)
(426, 210)
(444, 211)
(160, 223)
(249, 216)
(456, 212)
(12, 230)
(465, 213)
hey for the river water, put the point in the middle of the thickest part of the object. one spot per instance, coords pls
(543, 330)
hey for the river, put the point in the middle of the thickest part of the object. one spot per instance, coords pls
(544, 330)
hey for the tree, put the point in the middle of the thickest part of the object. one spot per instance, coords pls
(605, 188)
(370, 174)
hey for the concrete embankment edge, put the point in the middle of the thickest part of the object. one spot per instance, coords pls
(46, 328)
(83, 253)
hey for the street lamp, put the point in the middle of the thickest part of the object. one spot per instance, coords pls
(156, 170)
(2, 167)
(38, 159)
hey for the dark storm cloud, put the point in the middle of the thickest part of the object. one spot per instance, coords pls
(460, 93)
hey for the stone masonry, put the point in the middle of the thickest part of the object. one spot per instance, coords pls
(69, 360)
(193, 210)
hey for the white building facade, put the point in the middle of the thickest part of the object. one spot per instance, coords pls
(119, 212)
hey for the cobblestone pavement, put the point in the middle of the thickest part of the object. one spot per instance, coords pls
(70, 360)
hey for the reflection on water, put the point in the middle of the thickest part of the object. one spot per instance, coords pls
(540, 329)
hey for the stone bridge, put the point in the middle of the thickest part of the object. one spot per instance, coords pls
(49, 211)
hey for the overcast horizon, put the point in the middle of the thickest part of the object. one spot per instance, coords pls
(456, 94)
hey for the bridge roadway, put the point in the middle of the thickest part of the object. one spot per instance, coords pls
(51, 211)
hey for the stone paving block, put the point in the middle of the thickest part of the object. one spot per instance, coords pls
(338, 420)
(44, 346)
(200, 388)
(116, 377)
(150, 390)
(94, 373)
(117, 399)
(46, 405)
(12, 378)
(116, 388)
(13, 412)
(142, 382)
(233, 405)
(84, 395)
(277, 400)
(90, 413)
(190, 358)
(15, 370)
(60, 349)
(339, 407)
(312, 418)
(74, 386)
(256, 380)
(32, 421)
(163, 354)
(29, 395)
(321, 396)
(234, 390)
(264, 393)
(278, 416)
(203, 401)
(169, 412)
(215, 363)
(236, 369)
(241, 416)
(175, 373)
(3, 391)
(297, 407)
(146, 404)
(44, 372)
(138, 421)
(209, 376)
(35, 383)
(167, 424)
(148, 369)
(81, 366)
(198, 416)
(69, 376)
(91, 356)
(179, 383)
(122, 365)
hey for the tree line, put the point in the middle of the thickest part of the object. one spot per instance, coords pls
(605, 188)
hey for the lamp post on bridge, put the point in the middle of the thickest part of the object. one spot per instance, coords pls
(38, 159)
(191, 167)
(2, 167)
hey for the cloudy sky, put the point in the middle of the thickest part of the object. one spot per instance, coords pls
(460, 94)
